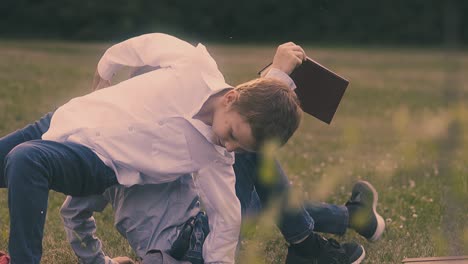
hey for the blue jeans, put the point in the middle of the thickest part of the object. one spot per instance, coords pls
(295, 223)
(30, 167)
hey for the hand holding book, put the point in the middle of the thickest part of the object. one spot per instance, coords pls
(288, 56)
(319, 89)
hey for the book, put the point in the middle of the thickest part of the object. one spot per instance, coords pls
(438, 260)
(319, 89)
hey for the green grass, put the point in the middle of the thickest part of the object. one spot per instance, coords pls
(402, 125)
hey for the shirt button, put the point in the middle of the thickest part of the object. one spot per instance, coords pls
(98, 134)
(130, 129)
(161, 123)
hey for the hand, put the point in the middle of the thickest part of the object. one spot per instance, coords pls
(288, 56)
(99, 83)
(123, 260)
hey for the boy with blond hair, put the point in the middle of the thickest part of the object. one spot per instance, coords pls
(151, 129)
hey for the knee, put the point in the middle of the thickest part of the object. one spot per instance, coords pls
(18, 159)
(20, 153)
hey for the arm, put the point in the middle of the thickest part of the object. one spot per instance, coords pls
(157, 50)
(80, 227)
(217, 191)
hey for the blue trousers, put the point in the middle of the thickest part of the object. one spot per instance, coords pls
(31, 167)
(295, 223)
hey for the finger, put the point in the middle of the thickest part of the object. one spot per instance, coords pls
(299, 55)
(287, 44)
(298, 61)
(299, 48)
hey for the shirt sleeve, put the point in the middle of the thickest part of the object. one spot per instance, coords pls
(156, 50)
(216, 184)
(80, 228)
(282, 76)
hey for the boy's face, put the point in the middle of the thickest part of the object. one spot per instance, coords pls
(231, 129)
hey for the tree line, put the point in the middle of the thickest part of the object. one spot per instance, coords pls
(429, 22)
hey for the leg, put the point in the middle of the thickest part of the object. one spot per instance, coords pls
(295, 224)
(328, 218)
(30, 132)
(34, 167)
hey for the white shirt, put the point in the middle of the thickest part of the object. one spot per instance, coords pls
(143, 128)
(146, 225)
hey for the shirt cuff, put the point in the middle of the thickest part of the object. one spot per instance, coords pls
(106, 70)
(282, 76)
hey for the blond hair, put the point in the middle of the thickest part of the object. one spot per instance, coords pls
(270, 107)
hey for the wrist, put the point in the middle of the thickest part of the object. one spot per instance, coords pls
(282, 68)
(282, 76)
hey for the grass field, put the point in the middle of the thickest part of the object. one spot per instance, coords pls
(402, 125)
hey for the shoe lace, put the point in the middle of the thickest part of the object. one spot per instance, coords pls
(334, 243)
(355, 199)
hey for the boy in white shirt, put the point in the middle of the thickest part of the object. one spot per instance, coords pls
(151, 129)
(297, 225)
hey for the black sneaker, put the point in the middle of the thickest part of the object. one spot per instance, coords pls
(363, 216)
(355, 252)
(328, 251)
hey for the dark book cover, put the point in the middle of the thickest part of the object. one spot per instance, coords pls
(319, 89)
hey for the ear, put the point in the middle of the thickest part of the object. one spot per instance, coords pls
(230, 97)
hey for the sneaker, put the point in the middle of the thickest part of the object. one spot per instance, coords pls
(328, 251)
(363, 216)
(355, 252)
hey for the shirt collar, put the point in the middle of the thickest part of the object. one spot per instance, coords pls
(207, 132)
(214, 80)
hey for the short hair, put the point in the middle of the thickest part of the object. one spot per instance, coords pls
(271, 109)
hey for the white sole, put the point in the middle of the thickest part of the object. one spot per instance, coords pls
(380, 221)
(361, 258)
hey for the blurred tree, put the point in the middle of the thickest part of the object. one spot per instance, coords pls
(364, 21)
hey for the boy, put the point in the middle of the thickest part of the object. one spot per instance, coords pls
(150, 129)
(144, 227)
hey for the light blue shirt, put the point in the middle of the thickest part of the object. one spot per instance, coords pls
(148, 216)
